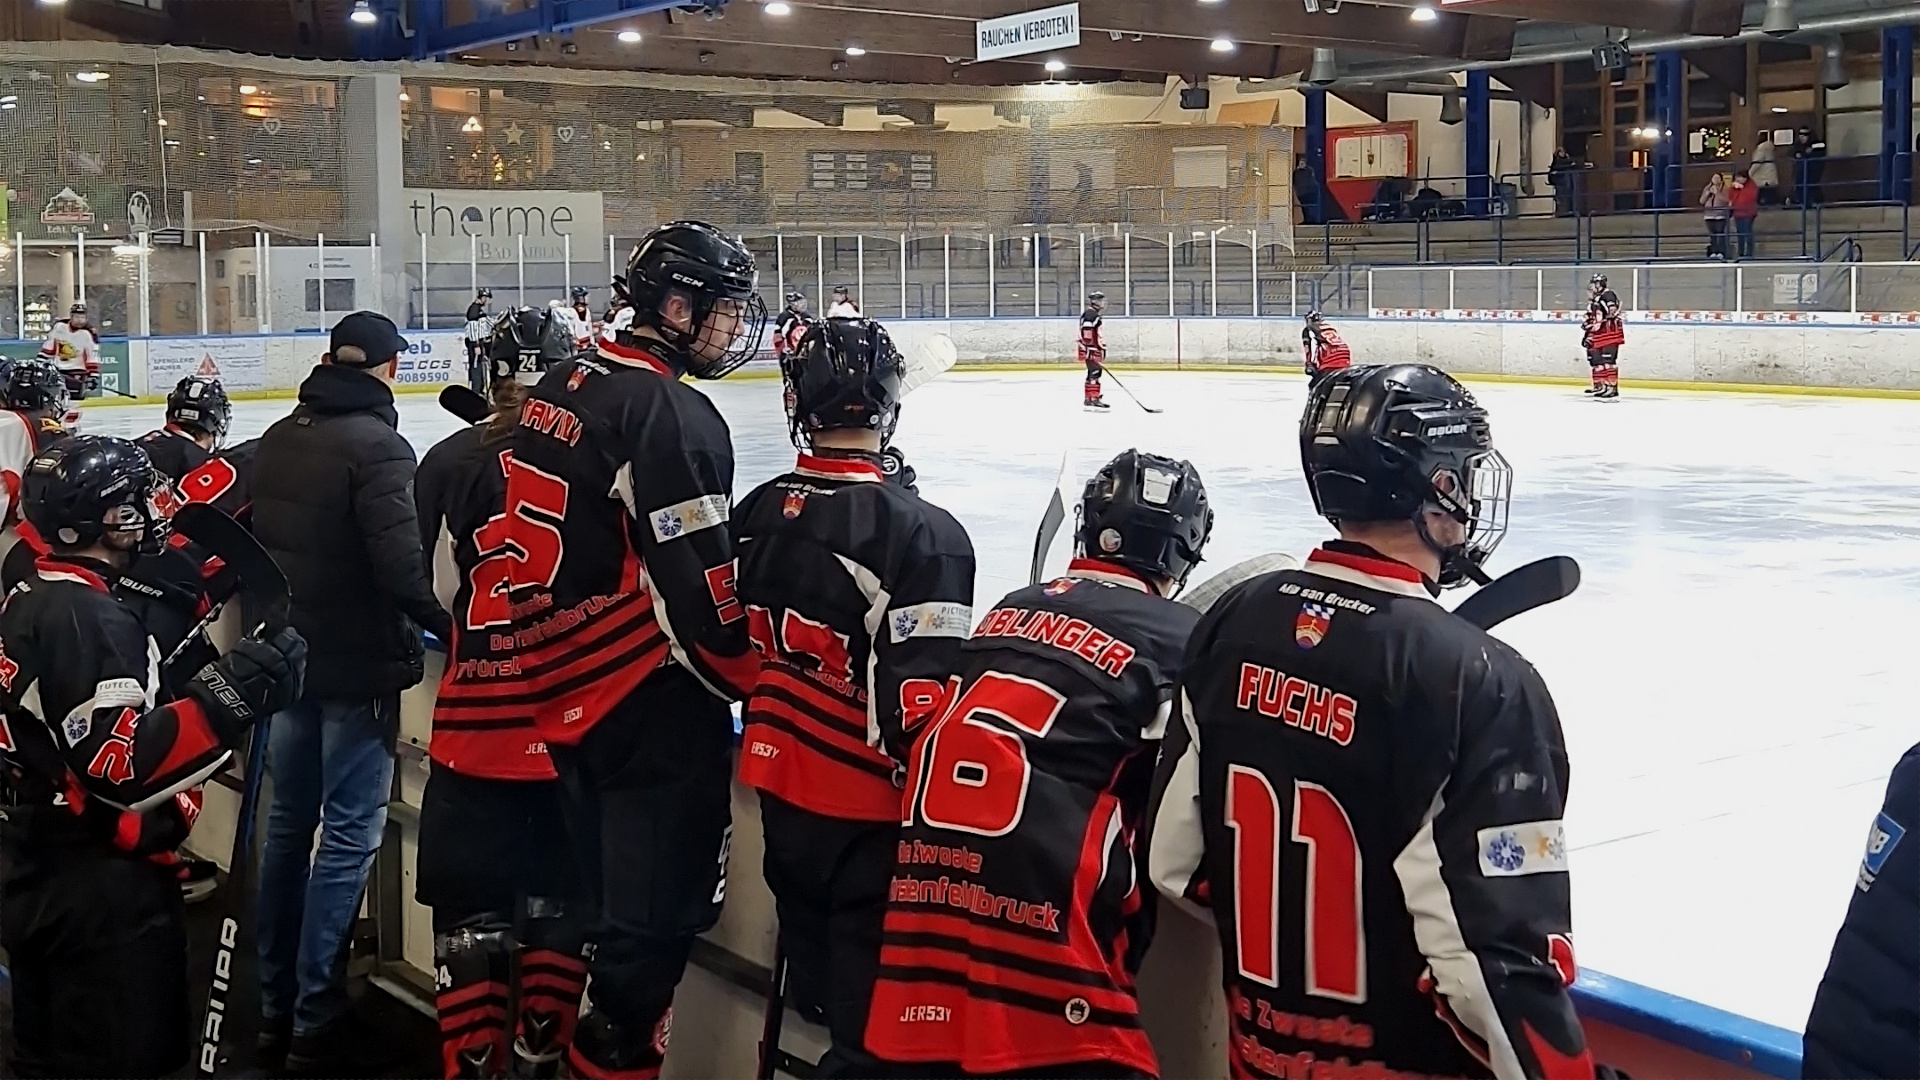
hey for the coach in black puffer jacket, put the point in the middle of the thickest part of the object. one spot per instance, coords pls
(333, 503)
(1866, 1015)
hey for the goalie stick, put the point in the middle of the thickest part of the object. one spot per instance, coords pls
(1050, 520)
(230, 1023)
(465, 404)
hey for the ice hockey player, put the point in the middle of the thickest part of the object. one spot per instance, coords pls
(1420, 924)
(35, 399)
(74, 347)
(479, 332)
(789, 325)
(1017, 917)
(580, 320)
(843, 306)
(198, 414)
(103, 764)
(1602, 335)
(494, 865)
(618, 495)
(1093, 350)
(1323, 349)
(858, 594)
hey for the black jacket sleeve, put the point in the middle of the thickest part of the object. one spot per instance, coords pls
(917, 632)
(383, 505)
(431, 489)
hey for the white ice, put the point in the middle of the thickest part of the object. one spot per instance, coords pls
(1730, 676)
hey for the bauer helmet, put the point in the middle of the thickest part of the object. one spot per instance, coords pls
(1391, 443)
(1597, 284)
(36, 386)
(844, 373)
(82, 489)
(709, 268)
(525, 343)
(199, 404)
(1148, 513)
(579, 295)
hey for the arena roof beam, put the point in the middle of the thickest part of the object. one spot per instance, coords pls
(1720, 18)
(434, 38)
(1275, 22)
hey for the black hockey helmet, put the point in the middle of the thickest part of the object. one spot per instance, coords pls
(484, 292)
(1314, 318)
(579, 294)
(525, 343)
(844, 373)
(71, 488)
(37, 386)
(708, 266)
(1389, 443)
(1097, 298)
(1597, 283)
(796, 298)
(1148, 513)
(199, 403)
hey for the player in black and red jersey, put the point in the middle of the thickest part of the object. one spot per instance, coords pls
(494, 865)
(1093, 350)
(1323, 349)
(618, 497)
(858, 594)
(1602, 334)
(1371, 802)
(1016, 919)
(104, 752)
(198, 414)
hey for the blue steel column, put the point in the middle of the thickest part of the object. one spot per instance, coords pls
(1479, 130)
(1896, 113)
(1669, 118)
(1315, 154)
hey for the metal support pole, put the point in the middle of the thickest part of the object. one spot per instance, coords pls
(1896, 115)
(1633, 290)
(1539, 290)
(820, 270)
(425, 306)
(903, 275)
(1170, 275)
(1213, 272)
(1450, 293)
(20, 283)
(566, 252)
(613, 270)
(1128, 283)
(991, 299)
(779, 264)
(1083, 271)
(520, 264)
(1253, 246)
(473, 267)
(859, 269)
(1036, 275)
(1293, 292)
(1479, 151)
(1369, 290)
(946, 274)
(1739, 289)
(146, 294)
(373, 258)
(1853, 287)
(320, 259)
(203, 283)
(265, 267)
(80, 266)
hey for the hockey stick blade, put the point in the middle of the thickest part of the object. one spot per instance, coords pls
(1205, 594)
(1517, 592)
(465, 404)
(1050, 520)
(928, 361)
(1123, 389)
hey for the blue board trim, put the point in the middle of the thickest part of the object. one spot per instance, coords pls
(1703, 1029)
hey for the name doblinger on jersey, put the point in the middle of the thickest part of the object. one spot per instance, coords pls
(1065, 632)
(970, 897)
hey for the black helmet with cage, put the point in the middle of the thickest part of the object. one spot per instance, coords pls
(90, 488)
(35, 385)
(1597, 284)
(844, 373)
(1315, 318)
(713, 272)
(1096, 300)
(525, 343)
(1392, 443)
(199, 404)
(579, 295)
(1147, 513)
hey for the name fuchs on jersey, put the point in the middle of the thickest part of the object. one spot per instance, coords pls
(1308, 706)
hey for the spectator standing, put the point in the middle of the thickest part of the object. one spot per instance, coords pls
(1809, 167)
(1765, 173)
(333, 503)
(1866, 1016)
(1560, 176)
(1745, 199)
(1716, 206)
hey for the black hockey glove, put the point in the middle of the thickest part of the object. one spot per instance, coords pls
(260, 676)
(899, 473)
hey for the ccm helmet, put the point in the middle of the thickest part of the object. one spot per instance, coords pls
(709, 267)
(525, 343)
(1391, 443)
(72, 488)
(844, 373)
(1148, 513)
(36, 386)
(199, 403)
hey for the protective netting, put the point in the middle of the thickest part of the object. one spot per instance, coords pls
(926, 201)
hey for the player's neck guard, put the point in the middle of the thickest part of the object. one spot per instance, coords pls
(1111, 573)
(853, 465)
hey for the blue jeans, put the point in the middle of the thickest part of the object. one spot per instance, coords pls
(332, 765)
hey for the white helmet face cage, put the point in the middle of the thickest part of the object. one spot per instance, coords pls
(1488, 489)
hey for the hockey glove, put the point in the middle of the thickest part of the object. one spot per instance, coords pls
(260, 676)
(894, 464)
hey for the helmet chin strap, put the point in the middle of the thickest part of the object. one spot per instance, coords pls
(1453, 557)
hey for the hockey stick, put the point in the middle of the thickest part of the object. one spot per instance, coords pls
(1123, 389)
(1517, 592)
(929, 360)
(231, 1023)
(465, 404)
(1203, 595)
(1050, 520)
(776, 1016)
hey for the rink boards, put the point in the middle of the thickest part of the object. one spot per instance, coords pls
(1649, 1034)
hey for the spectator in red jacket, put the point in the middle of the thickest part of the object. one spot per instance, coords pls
(1745, 200)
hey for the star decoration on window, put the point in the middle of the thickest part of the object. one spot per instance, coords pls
(513, 132)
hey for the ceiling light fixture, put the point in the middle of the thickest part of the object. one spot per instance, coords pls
(855, 50)
(779, 7)
(1056, 66)
(249, 88)
(7, 106)
(91, 76)
(4, 98)
(472, 126)
(363, 14)
(1779, 108)
(404, 97)
(52, 3)
(1424, 13)
(1221, 45)
(629, 37)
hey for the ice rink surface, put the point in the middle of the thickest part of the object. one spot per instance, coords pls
(1733, 676)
